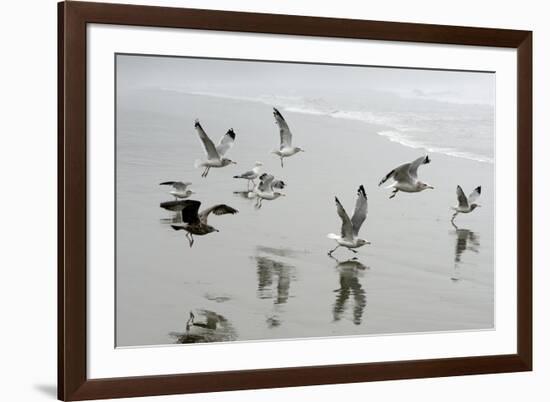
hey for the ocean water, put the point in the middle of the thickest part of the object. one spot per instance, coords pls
(437, 125)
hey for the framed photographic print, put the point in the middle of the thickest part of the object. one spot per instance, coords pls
(253, 200)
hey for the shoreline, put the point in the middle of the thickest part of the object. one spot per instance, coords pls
(388, 131)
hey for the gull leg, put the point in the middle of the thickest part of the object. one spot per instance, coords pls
(282, 165)
(333, 250)
(192, 241)
(453, 218)
(394, 193)
(204, 171)
(189, 239)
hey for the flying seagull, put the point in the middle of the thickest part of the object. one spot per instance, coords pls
(251, 175)
(197, 222)
(286, 149)
(267, 189)
(350, 227)
(215, 154)
(406, 177)
(466, 205)
(180, 189)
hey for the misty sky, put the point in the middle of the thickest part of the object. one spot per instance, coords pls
(252, 78)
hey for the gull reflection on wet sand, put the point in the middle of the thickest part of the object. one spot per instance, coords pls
(350, 271)
(465, 240)
(206, 326)
(274, 279)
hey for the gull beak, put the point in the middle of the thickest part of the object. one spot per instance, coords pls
(233, 162)
(431, 187)
(217, 230)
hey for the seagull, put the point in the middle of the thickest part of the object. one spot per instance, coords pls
(465, 205)
(180, 188)
(215, 154)
(197, 222)
(267, 189)
(350, 227)
(286, 149)
(251, 175)
(405, 177)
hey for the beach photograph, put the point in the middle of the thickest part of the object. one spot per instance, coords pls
(269, 200)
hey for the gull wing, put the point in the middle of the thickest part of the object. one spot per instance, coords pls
(278, 184)
(178, 185)
(284, 131)
(400, 173)
(474, 195)
(211, 151)
(190, 213)
(219, 209)
(226, 142)
(266, 181)
(462, 200)
(249, 174)
(413, 169)
(360, 213)
(347, 227)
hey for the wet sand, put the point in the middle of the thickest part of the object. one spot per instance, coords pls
(267, 273)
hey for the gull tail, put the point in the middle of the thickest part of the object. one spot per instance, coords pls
(333, 236)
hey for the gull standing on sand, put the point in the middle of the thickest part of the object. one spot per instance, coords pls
(465, 205)
(285, 149)
(180, 189)
(350, 227)
(251, 175)
(267, 189)
(406, 178)
(197, 222)
(215, 154)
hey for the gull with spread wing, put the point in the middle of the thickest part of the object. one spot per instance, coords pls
(215, 154)
(180, 189)
(406, 177)
(285, 149)
(465, 205)
(197, 222)
(268, 189)
(350, 227)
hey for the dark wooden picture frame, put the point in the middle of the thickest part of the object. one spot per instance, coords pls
(73, 383)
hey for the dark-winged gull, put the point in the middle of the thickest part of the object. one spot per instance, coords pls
(252, 174)
(406, 177)
(197, 222)
(466, 205)
(180, 189)
(268, 189)
(350, 227)
(215, 154)
(285, 149)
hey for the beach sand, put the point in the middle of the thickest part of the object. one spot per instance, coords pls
(267, 272)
